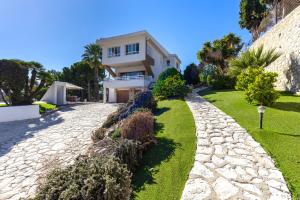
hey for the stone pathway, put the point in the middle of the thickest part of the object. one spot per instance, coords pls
(229, 164)
(28, 148)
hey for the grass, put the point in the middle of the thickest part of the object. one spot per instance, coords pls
(3, 105)
(165, 167)
(45, 106)
(280, 136)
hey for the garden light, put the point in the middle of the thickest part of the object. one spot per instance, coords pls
(261, 109)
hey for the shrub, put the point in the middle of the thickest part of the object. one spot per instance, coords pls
(44, 107)
(98, 134)
(168, 73)
(139, 126)
(88, 178)
(262, 89)
(172, 86)
(220, 81)
(247, 77)
(116, 134)
(127, 151)
(141, 100)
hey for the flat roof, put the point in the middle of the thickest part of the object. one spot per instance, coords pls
(143, 32)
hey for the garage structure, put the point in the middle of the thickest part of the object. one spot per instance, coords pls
(57, 93)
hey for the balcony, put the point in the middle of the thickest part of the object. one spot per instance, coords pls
(128, 82)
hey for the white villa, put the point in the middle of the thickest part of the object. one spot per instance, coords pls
(134, 62)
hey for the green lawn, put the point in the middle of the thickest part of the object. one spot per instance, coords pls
(280, 135)
(3, 105)
(166, 166)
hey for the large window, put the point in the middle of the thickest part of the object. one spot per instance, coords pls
(113, 51)
(132, 48)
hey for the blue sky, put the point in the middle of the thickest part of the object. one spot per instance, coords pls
(53, 32)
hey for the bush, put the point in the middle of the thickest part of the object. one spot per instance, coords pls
(220, 81)
(88, 178)
(44, 107)
(172, 86)
(168, 73)
(116, 134)
(247, 77)
(262, 89)
(141, 100)
(139, 126)
(98, 134)
(127, 151)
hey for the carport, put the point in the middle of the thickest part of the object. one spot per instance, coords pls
(57, 92)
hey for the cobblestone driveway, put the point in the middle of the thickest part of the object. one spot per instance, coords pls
(28, 147)
(229, 164)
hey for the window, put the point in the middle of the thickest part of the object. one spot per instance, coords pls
(132, 48)
(168, 63)
(136, 73)
(113, 51)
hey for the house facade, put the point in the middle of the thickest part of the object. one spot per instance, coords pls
(134, 62)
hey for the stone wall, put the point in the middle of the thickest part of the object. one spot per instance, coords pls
(285, 38)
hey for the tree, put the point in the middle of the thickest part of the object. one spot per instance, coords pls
(252, 58)
(21, 81)
(252, 13)
(220, 51)
(81, 74)
(92, 54)
(191, 74)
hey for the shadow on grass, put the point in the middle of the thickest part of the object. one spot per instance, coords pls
(287, 106)
(160, 111)
(163, 151)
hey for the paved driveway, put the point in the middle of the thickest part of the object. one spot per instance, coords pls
(29, 147)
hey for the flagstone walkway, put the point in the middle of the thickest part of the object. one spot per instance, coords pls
(229, 164)
(29, 148)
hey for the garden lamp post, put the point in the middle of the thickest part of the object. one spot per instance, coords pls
(261, 109)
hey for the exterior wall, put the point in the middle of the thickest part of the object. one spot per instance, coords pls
(123, 58)
(159, 60)
(285, 38)
(54, 93)
(112, 97)
(14, 113)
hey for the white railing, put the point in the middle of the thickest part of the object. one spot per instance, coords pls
(127, 78)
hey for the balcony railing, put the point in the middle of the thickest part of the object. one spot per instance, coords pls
(128, 78)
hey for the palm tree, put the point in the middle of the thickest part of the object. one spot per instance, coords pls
(92, 54)
(252, 58)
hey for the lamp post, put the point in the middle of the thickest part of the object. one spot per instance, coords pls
(261, 109)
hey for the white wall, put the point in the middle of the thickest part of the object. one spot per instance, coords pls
(112, 98)
(14, 113)
(123, 58)
(52, 93)
(285, 38)
(159, 60)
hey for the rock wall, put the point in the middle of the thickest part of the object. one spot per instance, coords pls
(285, 38)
